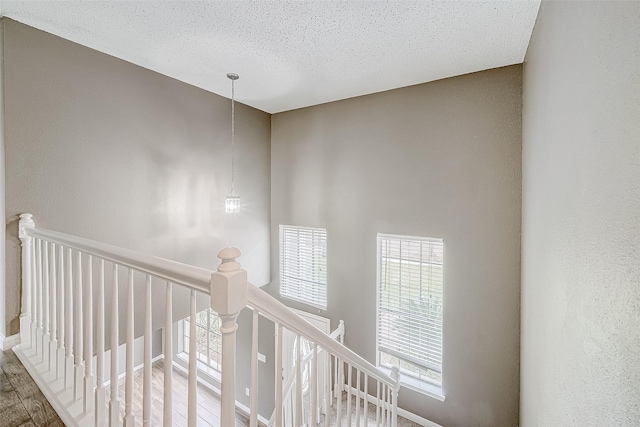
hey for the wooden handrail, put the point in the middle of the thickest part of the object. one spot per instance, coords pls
(283, 315)
(189, 276)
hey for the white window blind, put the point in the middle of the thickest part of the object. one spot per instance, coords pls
(410, 297)
(303, 264)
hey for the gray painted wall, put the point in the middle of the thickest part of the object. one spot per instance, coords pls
(107, 150)
(580, 228)
(440, 159)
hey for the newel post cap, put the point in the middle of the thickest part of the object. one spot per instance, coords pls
(26, 221)
(228, 284)
(228, 261)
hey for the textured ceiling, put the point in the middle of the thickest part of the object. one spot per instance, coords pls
(292, 54)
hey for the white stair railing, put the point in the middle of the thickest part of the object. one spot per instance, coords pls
(61, 312)
(319, 397)
(361, 376)
(59, 316)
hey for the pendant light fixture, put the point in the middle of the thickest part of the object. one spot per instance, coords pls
(232, 202)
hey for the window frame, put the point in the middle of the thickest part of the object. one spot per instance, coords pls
(214, 369)
(410, 380)
(312, 232)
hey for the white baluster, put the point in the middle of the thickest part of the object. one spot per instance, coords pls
(193, 368)
(129, 419)
(100, 395)
(253, 395)
(34, 296)
(168, 357)
(395, 374)
(341, 367)
(114, 402)
(53, 330)
(339, 387)
(40, 330)
(88, 338)
(384, 405)
(357, 397)
(78, 348)
(349, 391)
(366, 400)
(278, 375)
(146, 392)
(327, 387)
(299, 409)
(228, 297)
(46, 339)
(313, 385)
(61, 310)
(26, 313)
(378, 415)
(335, 377)
(68, 370)
(388, 406)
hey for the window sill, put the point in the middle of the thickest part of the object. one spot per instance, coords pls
(418, 385)
(307, 303)
(205, 369)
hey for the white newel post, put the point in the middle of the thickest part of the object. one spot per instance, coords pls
(26, 221)
(228, 298)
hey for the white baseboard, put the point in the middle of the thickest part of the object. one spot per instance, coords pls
(7, 343)
(135, 368)
(55, 398)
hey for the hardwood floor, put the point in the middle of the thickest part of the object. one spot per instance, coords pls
(21, 401)
(208, 402)
(22, 404)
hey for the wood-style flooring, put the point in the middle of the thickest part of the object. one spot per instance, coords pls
(21, 401)
(208, 402)
(22, 404)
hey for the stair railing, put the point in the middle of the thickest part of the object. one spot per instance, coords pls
(60, 314)
(353, 376)
(324, 400)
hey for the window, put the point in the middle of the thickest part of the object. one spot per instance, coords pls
(208, 338)
(303, 265)
(410, 294)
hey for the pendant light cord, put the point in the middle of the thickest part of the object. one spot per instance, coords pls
(233, 135)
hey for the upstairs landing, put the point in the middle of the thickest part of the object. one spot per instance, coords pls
(21, 401)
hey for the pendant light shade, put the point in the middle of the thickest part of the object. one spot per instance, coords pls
(232, 203)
